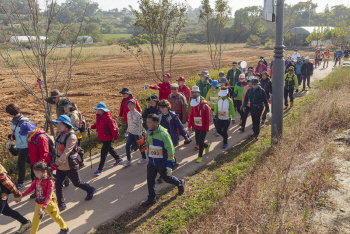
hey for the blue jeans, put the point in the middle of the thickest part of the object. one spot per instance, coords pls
(131, 139)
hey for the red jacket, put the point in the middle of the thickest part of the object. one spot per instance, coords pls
(123, 112)
(101, 127)
(164, 90)
(41, 151)
(43, 192)
(201, 111)
(262, 67)
(186, 91)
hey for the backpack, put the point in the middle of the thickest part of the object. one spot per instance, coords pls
(52, 151)
(73, 160)
(289, 83)
(82, 122)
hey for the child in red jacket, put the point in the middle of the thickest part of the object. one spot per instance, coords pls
(106, 131)
(45, 198)
(199, 119)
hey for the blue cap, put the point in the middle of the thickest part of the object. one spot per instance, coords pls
(63, 119)
(101, 106)
(215, 83)
(26, 128)
(298, 57)
(223, 80)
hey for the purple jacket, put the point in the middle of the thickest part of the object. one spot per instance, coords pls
(174, 124)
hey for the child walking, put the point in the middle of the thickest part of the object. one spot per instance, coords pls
(45, 198)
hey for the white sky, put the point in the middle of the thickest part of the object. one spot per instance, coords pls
(120, 4)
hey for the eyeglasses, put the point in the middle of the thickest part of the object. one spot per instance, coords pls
(173, 88)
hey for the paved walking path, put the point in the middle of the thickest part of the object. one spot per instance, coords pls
(118, 188)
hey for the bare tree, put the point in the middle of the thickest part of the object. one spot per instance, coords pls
(38, 40)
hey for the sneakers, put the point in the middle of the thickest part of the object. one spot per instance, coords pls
(309, 86)
(241, 129)
(217, 134)
(148, 203)
(98, 172)
(256, 137)
(291, 104)
(24, 227)
(89, 196)
(199, 159)
(127, 163)
(303, 89)
(197, 147)
(225, 146)
(66, 182)
(20, 186)
(181, 188)
(262, 121)
(215, 131)
(64, 231)
(63, 207)
(206, 150)
(285, 107)
(142, 161)
(117, 162)
(160, 180)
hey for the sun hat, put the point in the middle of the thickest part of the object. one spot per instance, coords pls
(223, 93)
(174, 85)
(290, 69)
(255, 81)
(26, 128)
(101, 106)
(195, 101)
(154, 97)
(215, 83)
(181, 79)
(204, 73)
(67, 104)
(195, 89)
(55, 93)
(125, 90)
(64, 119)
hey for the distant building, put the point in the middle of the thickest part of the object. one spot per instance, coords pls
(15, 39)
(85, 39)
(301, 33)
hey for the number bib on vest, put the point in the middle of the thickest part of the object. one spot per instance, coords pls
(213, 100)
(222, 113)
(155, 151)
(198, 121)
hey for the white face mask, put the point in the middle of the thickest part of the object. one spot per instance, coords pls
(295, 52)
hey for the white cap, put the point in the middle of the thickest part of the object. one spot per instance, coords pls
(242, 76)
(223, 93)
(307, 57)
(288, 56)
(174, 85)
(195, 101)
(195, 89)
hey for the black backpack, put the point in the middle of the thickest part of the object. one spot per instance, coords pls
(52, 150)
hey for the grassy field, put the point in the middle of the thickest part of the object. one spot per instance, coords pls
(113, 36)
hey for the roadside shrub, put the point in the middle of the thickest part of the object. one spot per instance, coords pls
(253, 40)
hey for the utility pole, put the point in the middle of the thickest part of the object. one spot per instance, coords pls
(278, 76)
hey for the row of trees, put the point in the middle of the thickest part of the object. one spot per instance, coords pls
(338, 35)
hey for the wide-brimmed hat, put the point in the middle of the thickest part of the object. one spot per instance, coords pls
(223, 93)
(55, 93)
(154, 97)
(67, 104)
(204, 73)
(26, 128)
(101, 106)
(125, 90)
(254, 81)
(215, 83)
(195, 89)
(181, 79)
(64, 119)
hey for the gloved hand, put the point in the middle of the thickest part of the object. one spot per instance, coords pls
(8, 144)
(54, 167)
(297, 91)
(169, 171)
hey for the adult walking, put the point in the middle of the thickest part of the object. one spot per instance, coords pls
(290, 65)
(290, 82)
(295, 55)
(338, 56)
(67, 161)
(212, 97)
(160, 151)
(204, 83)
(298, 66)
(266, 84)
(21, 143)
(238, 94)
(200, 120)
(183, 88)
(317, 57)
(106, 131)
(71, 111)
(256, 96)
(178, 103)
(225, 111)
(260, 67)
(56, 98)
(233, 76)
(152, 106)
(163, 87)
(307, 70)
(326, 55)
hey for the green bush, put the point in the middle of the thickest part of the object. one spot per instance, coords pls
(253, 40)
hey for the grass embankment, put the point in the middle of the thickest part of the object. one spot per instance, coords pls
(254, 187)
(116, 36)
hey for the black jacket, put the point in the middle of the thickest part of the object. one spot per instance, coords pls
(307, 69)
(267, 86)
(150, 110)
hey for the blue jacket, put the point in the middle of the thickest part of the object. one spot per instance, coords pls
(339, 54)
(271, 65)
(174, 124)
(160, 138)
(298, 67)
(256, 97)
(21, 141)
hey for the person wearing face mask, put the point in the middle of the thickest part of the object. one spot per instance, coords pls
(212, 98)
(295, 55)
(163, 87)
(199, 119)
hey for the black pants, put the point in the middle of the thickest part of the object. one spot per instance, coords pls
(200, 138)
(245, 116)
(7, 211)
(306, 79)
(107, 148)
(222, 127)
(286, 94)
(152, 171)
(256, 120)
(23, 158)
(238, 105)
(300, 79)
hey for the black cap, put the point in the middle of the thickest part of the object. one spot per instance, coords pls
(125, 90)
(154, 97)
(234, 63)
(254, 81)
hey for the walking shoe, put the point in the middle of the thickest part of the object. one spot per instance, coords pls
(148, 203)
(63, 207)
(142, 160)
(20, 186)
(285, 107)
(199, 159)
(33, 195)
(303, 89)
(89, 196)
(181, 188)
(253, 135)
(117, 162)
(127, 163)
(206, 150)
(217, 134)
(197, 147)
(64, 231)
(160, 179)
(291, 104)
(225, 146)
(24, 227)
(215, 131)
(66, 181)
(98, 172)
(262, 121)
(256, 137)
(309, 86)
(241, 129)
